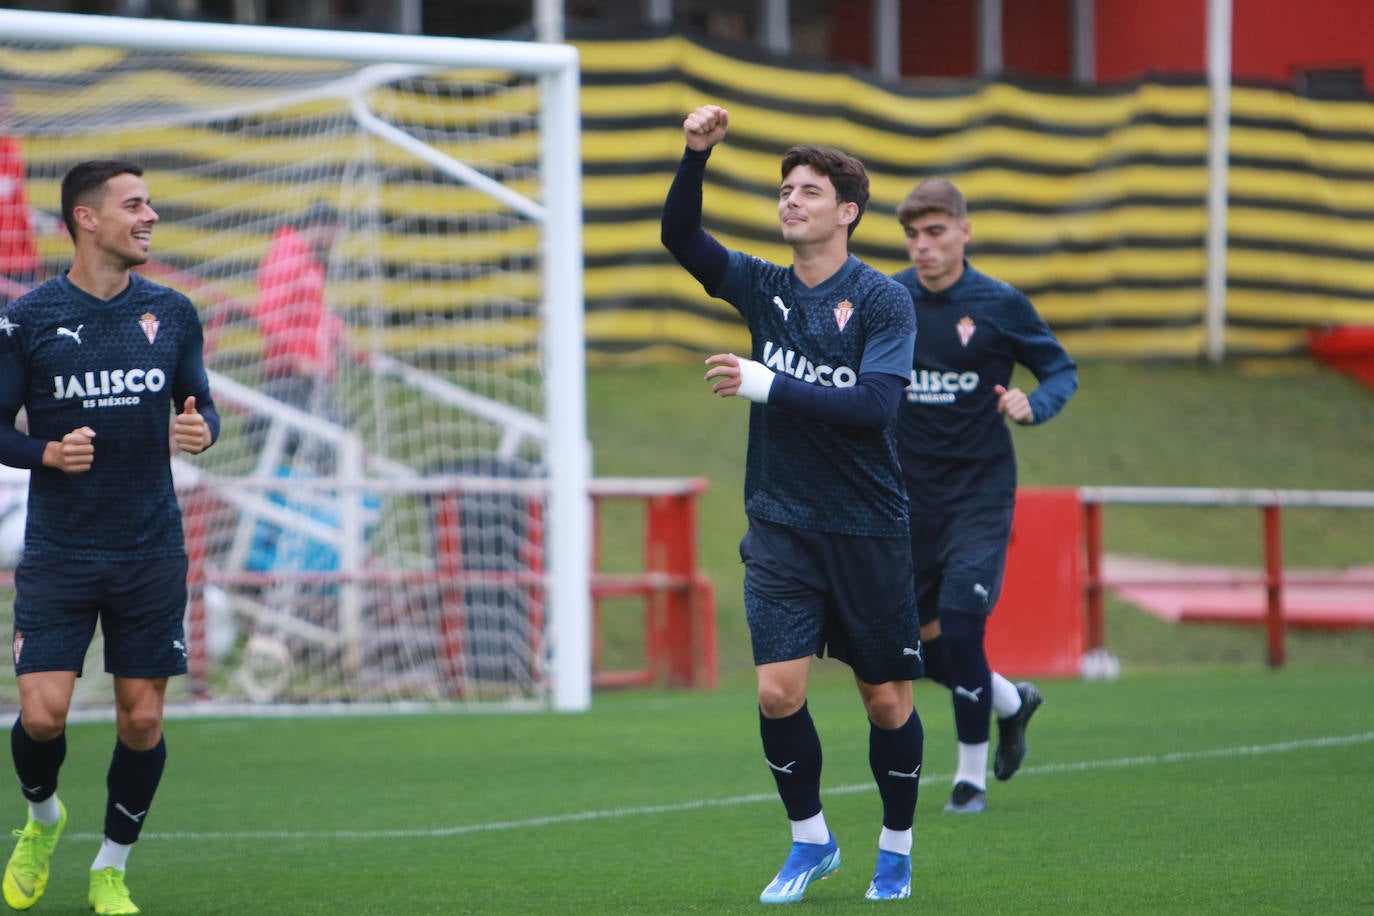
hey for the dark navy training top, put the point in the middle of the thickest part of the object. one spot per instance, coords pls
(955, 447)
(809, 465)
(120, 367)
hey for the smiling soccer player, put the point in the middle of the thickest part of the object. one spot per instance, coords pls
(100, 359)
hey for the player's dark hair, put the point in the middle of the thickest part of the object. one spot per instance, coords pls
(845, 172)
(84, 185)
(934, 195)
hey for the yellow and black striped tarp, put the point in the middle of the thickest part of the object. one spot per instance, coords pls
(1093, 201)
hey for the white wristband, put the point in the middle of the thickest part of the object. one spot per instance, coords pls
(755, 381)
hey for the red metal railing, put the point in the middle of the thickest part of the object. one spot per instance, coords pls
(679, 600)
(679, 622)
(1272, 578)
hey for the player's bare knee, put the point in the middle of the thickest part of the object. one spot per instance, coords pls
(139, 729)
(780, 700)
(44, 724)
(888, 706)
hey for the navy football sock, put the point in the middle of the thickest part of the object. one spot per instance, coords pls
(792, 749)
(132, 781)
(895, 756)
(970, 675)
(36, 763)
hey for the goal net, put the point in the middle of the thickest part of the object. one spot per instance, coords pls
(382, 235)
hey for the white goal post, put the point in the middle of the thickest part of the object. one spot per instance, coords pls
(409, 523)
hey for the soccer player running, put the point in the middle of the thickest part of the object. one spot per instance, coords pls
(960, 468)
(100, 357)
(827, 565)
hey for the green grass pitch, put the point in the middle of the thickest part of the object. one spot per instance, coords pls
(1235, 790)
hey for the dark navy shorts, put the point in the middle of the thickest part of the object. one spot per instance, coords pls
(813, 593)
(959, 559)
(140, 604)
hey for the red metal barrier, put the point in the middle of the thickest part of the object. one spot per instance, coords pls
(1272, 578)
(196, 507)
(1346, 348)
(1273, 584)
(1037, 627)
(449, 556)
(679, 600)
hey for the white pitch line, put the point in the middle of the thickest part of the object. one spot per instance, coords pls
(1048, 769)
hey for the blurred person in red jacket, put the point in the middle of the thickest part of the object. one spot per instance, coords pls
(20, 267)
(302, 338)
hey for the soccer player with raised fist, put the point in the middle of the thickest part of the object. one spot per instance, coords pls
(826, 558)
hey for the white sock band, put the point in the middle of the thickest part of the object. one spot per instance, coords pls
(1006, 701)
(898, 841)
(46, 812)
(112, 855)
(811, 830)
(973, 765)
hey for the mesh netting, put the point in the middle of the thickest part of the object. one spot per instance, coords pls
(370, 524)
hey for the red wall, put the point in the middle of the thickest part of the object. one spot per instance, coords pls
(1270, 38)
(938, 37)
(1135, 38)
(1037, 37)
(851, 38)
(1273, 37)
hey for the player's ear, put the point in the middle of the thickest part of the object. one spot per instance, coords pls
(849, 212)
(85, 217)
